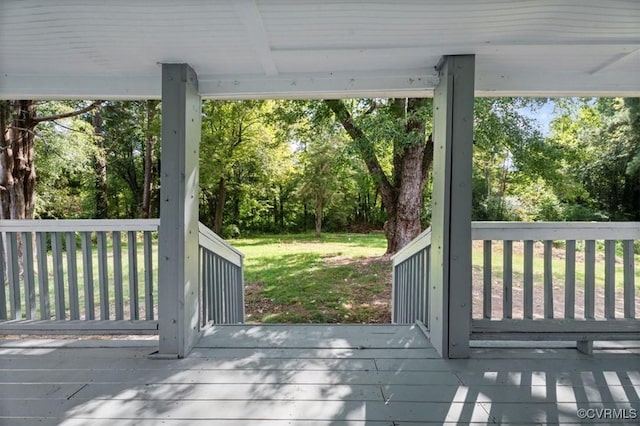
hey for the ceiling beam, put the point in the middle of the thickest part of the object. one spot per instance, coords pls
(259, 86)
(250, 16)
(412, 83)
(320, 85)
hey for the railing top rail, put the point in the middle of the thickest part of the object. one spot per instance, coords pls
(555, 230)
(79, 225)
(419, 243)
(212, 242)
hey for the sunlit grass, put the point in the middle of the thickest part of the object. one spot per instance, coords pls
(300, 278)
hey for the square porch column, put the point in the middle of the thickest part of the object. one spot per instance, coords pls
(178, 235)
(450, 292)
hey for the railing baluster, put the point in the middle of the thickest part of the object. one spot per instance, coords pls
(28, 275)
(43, 275)
(240, 290)
(240, 287)
(589, 279)
(404, 292)
(232, 293)
(3, 294)
(220, 285)
(72, 273)
(394, 294)
(629, 279)
(202, 268)
(570, 280)
(411, 289)
(217, 293)
(132, 249)
(235, 302)
(225, 289)
(225, 293)
(487, 272)
(548, 279)
(427, 286)
(210, 286)
(398, 295)
(229, 293)
(117, 274)
(609, 279)
(87, 266)
(13, 275)
(148, 276)
(421, 283)
(528, 279)
(204, 283)
(103, 276)
(58, 275)
(416, 287)
(507, 279)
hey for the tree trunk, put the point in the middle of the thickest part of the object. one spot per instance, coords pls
(403, 223)
(281, 208)
(319, 208)
(305, 217)
(17, 167)
(275, 211)
(401, 198)
(149, 153)
(220, 200)
(100, 167)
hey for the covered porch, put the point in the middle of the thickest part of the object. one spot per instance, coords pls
(427, 367)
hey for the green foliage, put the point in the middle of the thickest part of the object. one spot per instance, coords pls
(276, 158)
(125, 133)
(64, 157)
(510, 157)
(231, 231)
(602, 137)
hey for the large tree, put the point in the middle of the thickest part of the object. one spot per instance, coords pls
(18, 122)
(403, 124)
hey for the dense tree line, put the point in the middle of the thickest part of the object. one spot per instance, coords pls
(276, 166)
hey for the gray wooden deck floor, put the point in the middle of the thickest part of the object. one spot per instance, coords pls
(309, 375)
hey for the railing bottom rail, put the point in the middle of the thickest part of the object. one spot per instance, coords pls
(79, 327)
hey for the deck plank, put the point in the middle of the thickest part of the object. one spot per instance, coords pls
(243, 410)
(308, 375)
(209, 363)
(314, 336)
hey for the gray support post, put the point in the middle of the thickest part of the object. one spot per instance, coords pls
(450, 298)
(178, 234)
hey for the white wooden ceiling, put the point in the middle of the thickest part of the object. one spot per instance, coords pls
(317, 48)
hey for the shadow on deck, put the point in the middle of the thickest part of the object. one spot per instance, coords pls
(312, 374)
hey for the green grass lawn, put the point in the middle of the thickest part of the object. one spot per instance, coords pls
(300, 278)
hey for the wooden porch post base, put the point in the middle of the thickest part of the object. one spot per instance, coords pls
(585, 346)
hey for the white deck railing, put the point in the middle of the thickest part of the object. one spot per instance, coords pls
(47, 289)
(518, 300)
(221, 280)
(410, 295)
